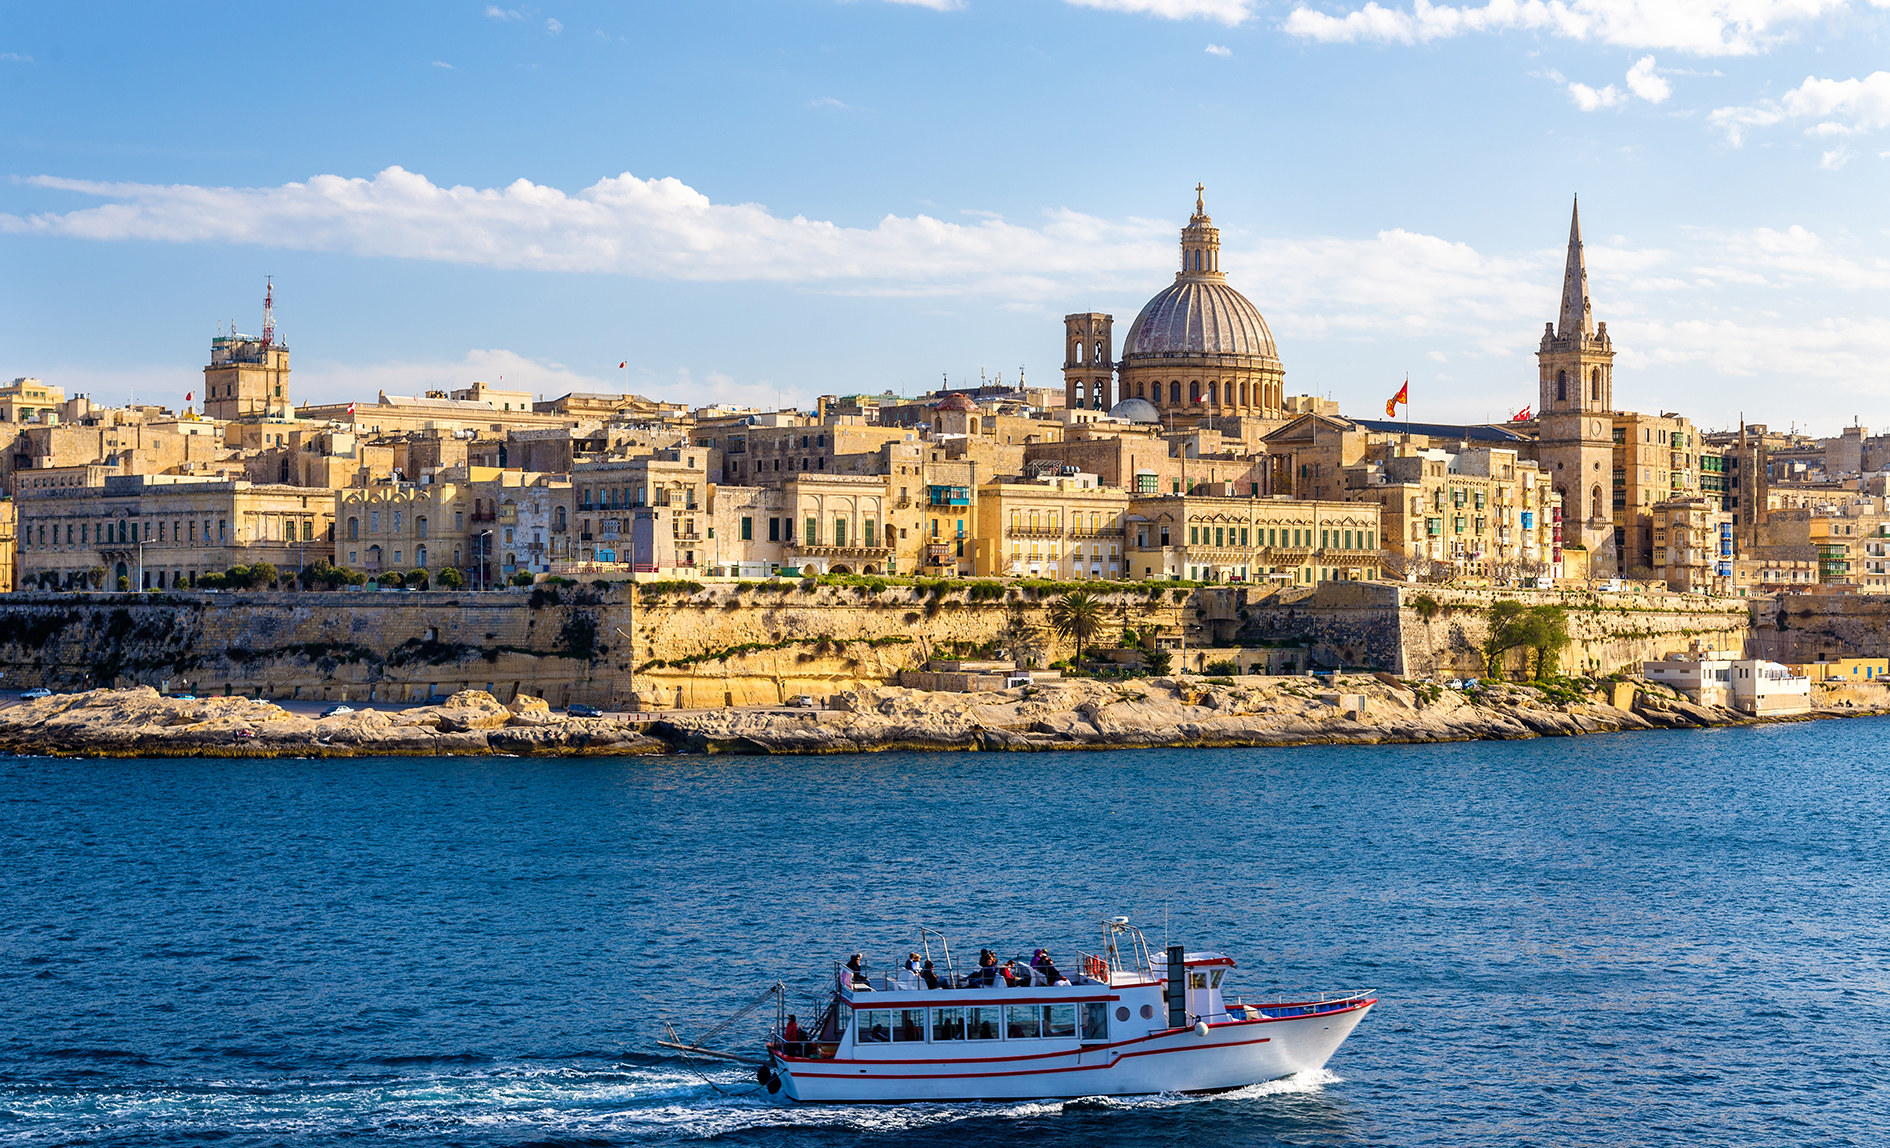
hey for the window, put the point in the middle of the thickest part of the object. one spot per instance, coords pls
(908, 1024)
(812, 537)
(839, 532)
(1023, 1022)
(870, 533)
(774, 530)
(1096, 1020)
(948, 1024)
(1059, 1020)
(982, 1022)
(748, 530)
(875, 1026)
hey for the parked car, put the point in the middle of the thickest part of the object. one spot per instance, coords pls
(183, 697)
(245, 734)
(337, 710)
(579, 709)
(34, 695)
(802, 701)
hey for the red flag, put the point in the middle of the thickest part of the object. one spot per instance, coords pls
(1523, 416)
(622, 365)
(188, 394)
(350, 408)
(1403, 396)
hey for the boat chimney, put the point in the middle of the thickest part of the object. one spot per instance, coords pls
(1177, 989)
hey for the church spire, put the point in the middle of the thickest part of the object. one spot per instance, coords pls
(1577, 317)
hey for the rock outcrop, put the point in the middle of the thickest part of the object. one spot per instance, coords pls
(1365, 709)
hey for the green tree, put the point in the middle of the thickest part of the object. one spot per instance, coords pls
(1158, 662)
(263, 576)
(1078, 616)
(390, 579)
(522, 578)
(1507, 626)
(450, 578)
(1547, 632)
(417, 579)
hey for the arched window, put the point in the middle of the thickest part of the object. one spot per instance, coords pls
(1561, 386)
(1194, 391)
(1594, 502)
(1594, 385)
(420, 526)
(1099, 351)
(558, 520)
(420, 556)
(1076, 352)
(354, 529)
(1174, 393)
(1227, 394)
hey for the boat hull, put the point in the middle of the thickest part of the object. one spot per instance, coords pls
(1233, 1054)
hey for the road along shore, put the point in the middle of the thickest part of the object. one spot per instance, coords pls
(1181, 711)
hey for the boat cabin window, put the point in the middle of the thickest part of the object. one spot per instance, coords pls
(1059, 1020)
(1096, 1020)
(983, 1022)
(908, 1024)
(1218, 974)
(948, 1024)
(1022, 1022)
(1197, 980)
(875, 1026)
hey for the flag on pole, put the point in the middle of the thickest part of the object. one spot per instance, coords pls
(188, 395)
(622, 365)
(1403, 396)
(1524, 415)
(350, 408)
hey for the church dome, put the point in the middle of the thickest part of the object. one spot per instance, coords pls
(955, 402)
(1198, 315)
(1136, 411)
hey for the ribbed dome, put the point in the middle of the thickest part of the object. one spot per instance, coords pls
(955, 402)
(1135, 411)
(1199, 315)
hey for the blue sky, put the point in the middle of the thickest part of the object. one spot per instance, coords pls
(752, 200)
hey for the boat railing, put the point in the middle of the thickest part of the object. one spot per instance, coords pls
(1304, 1006)
(905, 980)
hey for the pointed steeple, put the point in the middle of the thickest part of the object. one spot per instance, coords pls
(1577, 318)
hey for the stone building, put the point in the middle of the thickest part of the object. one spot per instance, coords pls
(1059, 526)
(646, 513)
(1484, 512)
(1218, 538)
(1574, 416)
(29, 400)
(162, 531)
(1693, 545)
(1656, 459)
(1198, 350)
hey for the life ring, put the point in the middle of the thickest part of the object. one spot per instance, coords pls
(1095, 969)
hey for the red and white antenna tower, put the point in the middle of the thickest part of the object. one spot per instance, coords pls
(269, 311)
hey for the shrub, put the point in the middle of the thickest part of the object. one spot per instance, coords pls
(450, 578)
(522, 578)
(389, 579)
(1223, 668)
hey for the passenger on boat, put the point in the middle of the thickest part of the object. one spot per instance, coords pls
(987, 974)
(929, 976)
(1041, 964)
(856, 972)
(1014, 976)
(791, 1036)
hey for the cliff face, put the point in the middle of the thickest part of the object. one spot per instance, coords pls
(1814, 627)
(749, 644)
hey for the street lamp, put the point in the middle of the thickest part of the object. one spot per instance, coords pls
(482, 548)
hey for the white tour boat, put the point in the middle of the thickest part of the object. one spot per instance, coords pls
(1114, 1024)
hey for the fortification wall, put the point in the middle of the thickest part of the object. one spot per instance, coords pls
(1814, 627)
(720, 645)
(751, 644)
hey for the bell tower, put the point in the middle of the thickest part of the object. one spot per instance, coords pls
(1088, 361)
(1575, 412)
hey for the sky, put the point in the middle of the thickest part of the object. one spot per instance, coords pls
(759, 202)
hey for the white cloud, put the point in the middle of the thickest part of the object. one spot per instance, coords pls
(553, 27)
(1225, 11)
(442, 64)
(827, 102)
(1219, 50)
(493, 11)
(1835, 159)
(1591, 99)
(1853, 106)
(934, 5)
(655, 228)
(1644, 82)
(1699, 27)
(15, 58)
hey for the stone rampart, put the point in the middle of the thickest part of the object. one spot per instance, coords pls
(1818, 627)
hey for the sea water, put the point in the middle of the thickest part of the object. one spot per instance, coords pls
(1656, 938)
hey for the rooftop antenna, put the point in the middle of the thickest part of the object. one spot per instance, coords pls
(269, 310)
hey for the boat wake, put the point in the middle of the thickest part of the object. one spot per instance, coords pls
(650, 1102)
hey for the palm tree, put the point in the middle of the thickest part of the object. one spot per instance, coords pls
(1077, 616)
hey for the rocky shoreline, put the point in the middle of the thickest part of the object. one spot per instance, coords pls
(1182, 711)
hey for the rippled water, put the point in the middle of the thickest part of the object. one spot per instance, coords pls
(1642, 939)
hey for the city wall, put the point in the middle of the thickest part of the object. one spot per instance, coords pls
(1817, 627)
(758, 644)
